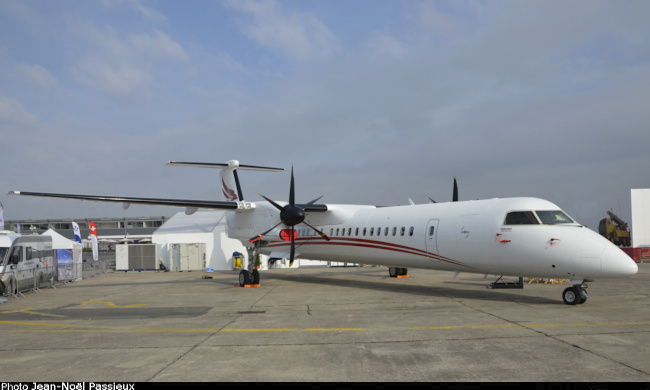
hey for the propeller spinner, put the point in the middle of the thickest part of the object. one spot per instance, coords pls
(291, 215)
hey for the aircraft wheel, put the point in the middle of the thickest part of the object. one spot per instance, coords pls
(393, 272)
(244, 278)
(582, 300)
(571, 296)
(403, 271)
(255, 277)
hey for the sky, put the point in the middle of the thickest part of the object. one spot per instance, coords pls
(371, 102)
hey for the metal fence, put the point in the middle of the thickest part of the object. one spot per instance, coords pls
(50, 277)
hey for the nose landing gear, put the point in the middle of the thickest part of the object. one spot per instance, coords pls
(575, 295)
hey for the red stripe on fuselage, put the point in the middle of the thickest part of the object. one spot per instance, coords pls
(370, 244)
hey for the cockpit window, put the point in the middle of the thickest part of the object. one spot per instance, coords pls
(554, 217)
(521, 218)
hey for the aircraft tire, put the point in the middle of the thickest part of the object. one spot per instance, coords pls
(571, 296)
(255, 277)
(393, 272)
(403, 271)
(244, 278)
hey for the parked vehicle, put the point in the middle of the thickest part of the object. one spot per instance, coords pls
(26, 262)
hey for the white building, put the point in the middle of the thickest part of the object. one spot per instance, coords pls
(640, 217)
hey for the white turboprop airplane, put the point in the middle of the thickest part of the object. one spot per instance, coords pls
(512, 237)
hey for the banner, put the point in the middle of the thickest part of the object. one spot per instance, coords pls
(93, 237)
(2, 218)
(77, 232)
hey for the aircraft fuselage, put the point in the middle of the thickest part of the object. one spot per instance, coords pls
(471, 236)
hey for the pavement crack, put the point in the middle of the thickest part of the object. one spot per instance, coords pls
(181, 356)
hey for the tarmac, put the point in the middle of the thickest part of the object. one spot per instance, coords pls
(325, 325)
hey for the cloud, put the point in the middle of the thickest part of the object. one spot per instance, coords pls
(157, 45)
(301, 36)
(125, 64)
(16, 10)
(120, 79)
(35, 75)
(11, 111)
(148, 13)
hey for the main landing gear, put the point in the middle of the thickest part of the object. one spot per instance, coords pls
(396, 272)
(249, 278)
(575, 295)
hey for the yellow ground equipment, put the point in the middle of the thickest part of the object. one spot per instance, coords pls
(615, 230)
(237, 260)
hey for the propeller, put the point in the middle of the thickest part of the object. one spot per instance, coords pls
(454, 196)
(291, 215)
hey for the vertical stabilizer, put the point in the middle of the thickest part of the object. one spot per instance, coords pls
(230, 187)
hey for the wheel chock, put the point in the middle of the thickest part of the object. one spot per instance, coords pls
(401, 276)
(248, 285)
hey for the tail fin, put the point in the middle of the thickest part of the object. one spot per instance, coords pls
(230, 188)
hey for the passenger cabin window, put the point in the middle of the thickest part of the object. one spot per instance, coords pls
(411, 231)
(386, 232)
(395, 231)
(554, 217)
(431, 230)
(521, 218)
(402, 230)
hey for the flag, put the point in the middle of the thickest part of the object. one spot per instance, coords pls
(2, 218)
(77, 232)
(93, 237)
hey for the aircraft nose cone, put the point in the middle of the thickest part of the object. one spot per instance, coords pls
(619, 263)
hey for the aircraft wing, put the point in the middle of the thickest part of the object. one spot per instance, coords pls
(190, 204)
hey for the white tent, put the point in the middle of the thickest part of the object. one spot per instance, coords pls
(68, 271)
(207, 229)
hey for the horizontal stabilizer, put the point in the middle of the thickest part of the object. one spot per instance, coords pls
(223, 165)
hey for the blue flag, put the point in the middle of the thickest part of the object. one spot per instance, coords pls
(77, 232)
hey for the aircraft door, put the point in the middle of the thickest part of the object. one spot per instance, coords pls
(431, 239)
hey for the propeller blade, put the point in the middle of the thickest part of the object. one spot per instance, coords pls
(277, 206)
(292, 191)
(293, 247)
(455, 197)
(259, 236)
(312, 202)
(325, 236)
